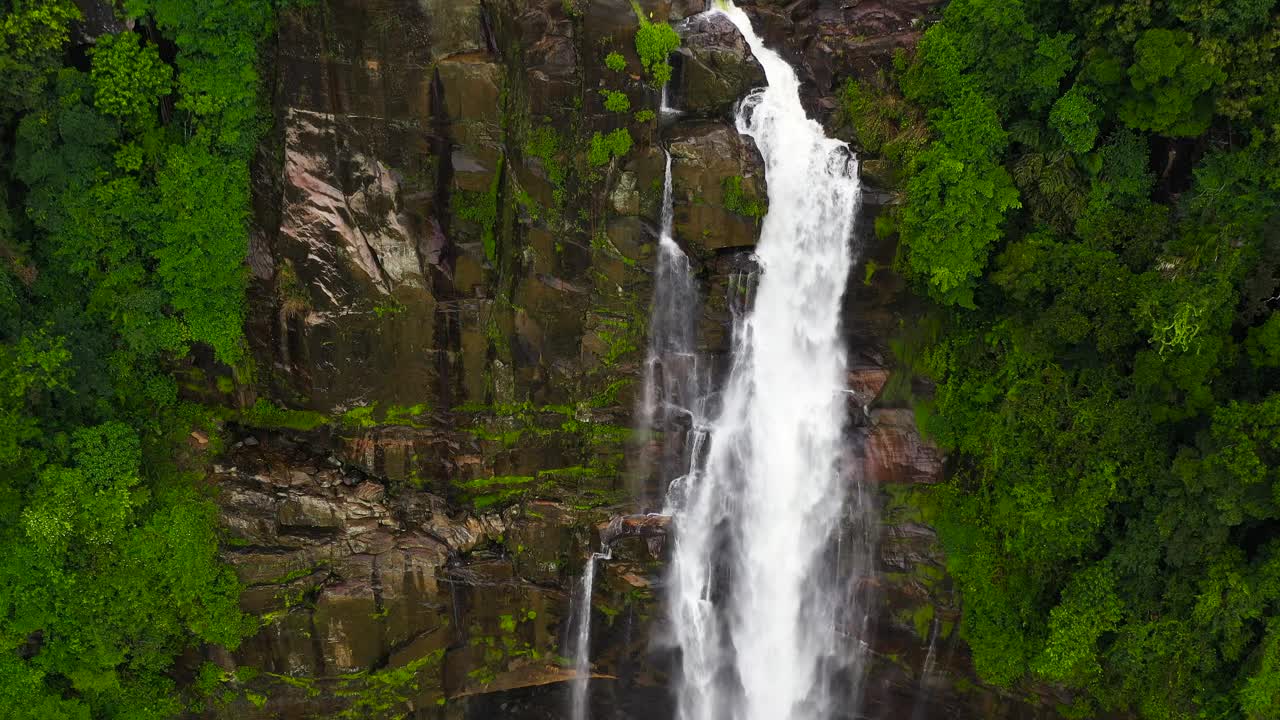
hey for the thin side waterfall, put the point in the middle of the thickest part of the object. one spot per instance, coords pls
(671, 397)
(931, 657)
(663, 107)
(924, 692)
(674, 373)
(763, 598)
(578, 706)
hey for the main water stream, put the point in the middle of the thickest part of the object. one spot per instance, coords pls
(760, 612)
(772, 537)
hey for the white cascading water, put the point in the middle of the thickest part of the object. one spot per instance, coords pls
(663, 108)
(671, 389)
(578, 706)
(758, 608)
(674, 374)
(924, 691)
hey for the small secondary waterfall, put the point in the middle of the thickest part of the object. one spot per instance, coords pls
(763, 598)
(671, 391)
(674, 374)
(663, 108)
(578, 707)
(924, 692)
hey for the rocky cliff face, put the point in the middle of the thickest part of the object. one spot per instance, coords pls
(450, 294)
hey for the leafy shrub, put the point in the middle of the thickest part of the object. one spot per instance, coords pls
(606, 147)
(615, 101)
(655, 42)
(1075, 117)
(1168, 79)
(737, 201)
(128, 76)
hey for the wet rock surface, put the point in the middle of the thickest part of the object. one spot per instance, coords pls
(717, 68)
(828, 41)
(347, 576)
(441, 275)
(709, 159)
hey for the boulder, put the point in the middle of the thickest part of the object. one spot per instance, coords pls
(865, 384)
(717, 67)
(644, 526)
(897, 453)
(98, 18)
(712, 165)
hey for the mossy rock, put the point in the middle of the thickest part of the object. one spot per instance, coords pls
(717, 67)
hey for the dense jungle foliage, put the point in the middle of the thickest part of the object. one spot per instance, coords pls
(1091, 196)
(122, 243)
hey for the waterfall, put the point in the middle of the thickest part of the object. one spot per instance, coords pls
(669, 401)
(924, 692)
(674, 373)
(663, 108)
(759, 596)
(578, 707)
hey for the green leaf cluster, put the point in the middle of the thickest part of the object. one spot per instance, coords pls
(123, 233)
(615, 101)
(654, 43)
(605, 147)
(739, 201)
(1168, 85)
(128, 76)
(1094, 208)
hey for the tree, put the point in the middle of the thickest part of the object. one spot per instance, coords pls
(1104, 361)
(128, 76)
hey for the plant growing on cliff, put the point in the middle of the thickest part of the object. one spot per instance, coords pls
(482, 209)
(615, 101)
(882, 121)
(606, 147)
(615, 62)
(544, 144)
(654, 43)
(738, 201)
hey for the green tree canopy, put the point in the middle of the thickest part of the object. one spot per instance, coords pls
(1094, 212)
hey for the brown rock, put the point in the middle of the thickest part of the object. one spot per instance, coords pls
(625, 526)
(410, 595)
(896, 452)
(704, 156)
(370, 492)
(865, 384)
(307, 512)
(374, 542)
(718, 68)
(345, 626)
